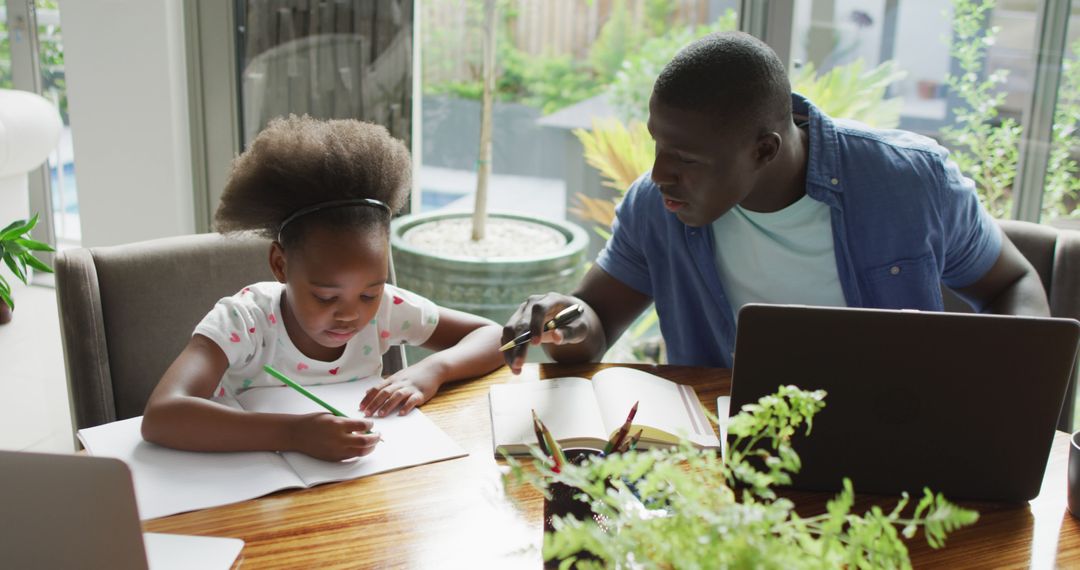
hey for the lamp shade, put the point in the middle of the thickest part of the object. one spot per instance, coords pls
(30, 128)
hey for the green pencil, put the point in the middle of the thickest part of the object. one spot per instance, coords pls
(273, 372)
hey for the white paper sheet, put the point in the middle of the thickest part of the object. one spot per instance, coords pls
(169, 481)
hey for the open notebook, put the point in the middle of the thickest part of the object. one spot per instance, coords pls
(580, 413)
(169, 481)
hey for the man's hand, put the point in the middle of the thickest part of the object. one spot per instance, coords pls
(532, 315)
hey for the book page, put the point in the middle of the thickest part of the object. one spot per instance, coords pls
(183, 551)
(408, 440)
(666, 410)
(567, 406)
(169, 481)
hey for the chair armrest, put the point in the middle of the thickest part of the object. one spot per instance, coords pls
(1064, 294)
(82, 329)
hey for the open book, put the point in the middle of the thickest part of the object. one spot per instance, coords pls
(584, 414)
(169, 481)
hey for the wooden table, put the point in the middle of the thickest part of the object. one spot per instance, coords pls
(456, 513)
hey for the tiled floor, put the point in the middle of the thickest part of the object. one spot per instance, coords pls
(34, 412)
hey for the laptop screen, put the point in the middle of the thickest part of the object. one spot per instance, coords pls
(914, 399)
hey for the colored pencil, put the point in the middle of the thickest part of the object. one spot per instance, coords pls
(539, 434)
(556, 451)
(273, 372)
(285, 380)
(617, 439)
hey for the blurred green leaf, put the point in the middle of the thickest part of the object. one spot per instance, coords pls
(37, 263)
(10, 261)
(852, 92)
(33, 245)
(681, 507)
(15, 249)
(5, 293)
(18, 228)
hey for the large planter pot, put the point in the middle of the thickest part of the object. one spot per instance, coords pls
(489, 287)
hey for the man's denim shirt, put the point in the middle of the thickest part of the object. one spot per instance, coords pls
(904, 220)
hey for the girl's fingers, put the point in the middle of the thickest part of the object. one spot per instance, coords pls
(357, 425)
(376, 402)
(372, 392)
(393, 402)
(362, 439)
(412, 402)
(359, 451)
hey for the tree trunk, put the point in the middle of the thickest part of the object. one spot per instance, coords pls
(484, 162)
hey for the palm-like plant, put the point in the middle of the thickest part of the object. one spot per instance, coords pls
(853, 92)
(16, 249)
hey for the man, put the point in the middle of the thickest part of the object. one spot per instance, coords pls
(756, 196)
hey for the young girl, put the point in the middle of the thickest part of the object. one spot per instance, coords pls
(324, 191)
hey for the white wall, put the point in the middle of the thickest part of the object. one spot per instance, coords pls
(127, 91)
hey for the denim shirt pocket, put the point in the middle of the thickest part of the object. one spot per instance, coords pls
(905, 284)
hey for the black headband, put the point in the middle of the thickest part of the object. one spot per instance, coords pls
(369, 202)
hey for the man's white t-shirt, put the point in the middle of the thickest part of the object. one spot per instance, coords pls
(249, 329)
(782, 257)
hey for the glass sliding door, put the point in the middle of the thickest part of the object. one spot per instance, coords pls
(328, 59)
(62, 186)
(561, 65)
(32, 59)
(1061, 196)
(967, 73)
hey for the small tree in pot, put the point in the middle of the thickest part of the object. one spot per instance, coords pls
(481, 265)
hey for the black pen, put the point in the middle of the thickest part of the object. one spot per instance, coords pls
(562, 318)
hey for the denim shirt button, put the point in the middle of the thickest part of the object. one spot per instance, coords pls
(834, 181)
(894, 270)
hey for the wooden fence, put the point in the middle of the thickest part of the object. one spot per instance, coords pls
(451, 31)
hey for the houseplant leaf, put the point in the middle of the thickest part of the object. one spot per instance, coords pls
(10, 261)
(16, 248)
(5, 292)
(33, 245)
(18, 228)
(36, 263)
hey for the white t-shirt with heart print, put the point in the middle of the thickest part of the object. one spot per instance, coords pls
(248, 328)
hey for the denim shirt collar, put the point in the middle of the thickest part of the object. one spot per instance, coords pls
(823, 161)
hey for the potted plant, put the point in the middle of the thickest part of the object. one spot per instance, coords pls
(666, 508)
(16, 249)
(484, 263)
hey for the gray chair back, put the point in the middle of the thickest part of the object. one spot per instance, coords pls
(127, 311)
(1055, 254)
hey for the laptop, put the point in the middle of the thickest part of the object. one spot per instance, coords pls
(77, 511)
(965, 404)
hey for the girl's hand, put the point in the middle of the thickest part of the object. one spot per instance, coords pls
(406, 389)
(332, 438)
